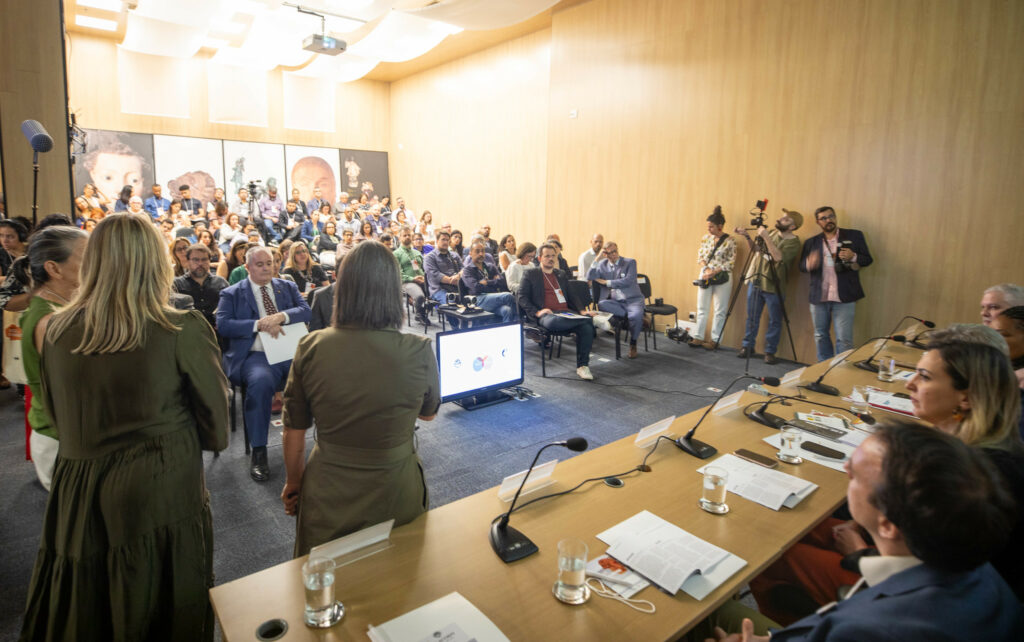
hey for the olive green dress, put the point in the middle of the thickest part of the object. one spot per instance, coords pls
(363, 469)
(127, 546)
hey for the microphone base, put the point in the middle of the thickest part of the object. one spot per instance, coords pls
(510, 544)
(868, 365)
(765, 418)
(696, 448)
(823, 388)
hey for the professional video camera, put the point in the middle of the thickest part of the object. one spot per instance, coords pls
(254, 189)
(758, 214)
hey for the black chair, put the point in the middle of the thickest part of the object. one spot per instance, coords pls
(654, 309)
(619, 324)
(428, 306)
(579, 293)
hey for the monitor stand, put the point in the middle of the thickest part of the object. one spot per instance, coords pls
(484, 399)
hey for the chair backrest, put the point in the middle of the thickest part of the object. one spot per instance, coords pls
(645, 285)
(595, 291)
(579, 292)
(463, 290)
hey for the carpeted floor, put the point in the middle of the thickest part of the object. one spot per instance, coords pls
(463, 452)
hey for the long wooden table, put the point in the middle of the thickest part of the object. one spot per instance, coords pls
(447, 549)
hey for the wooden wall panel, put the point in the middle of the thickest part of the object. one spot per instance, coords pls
(905, 116)
(363, 119)
(469, 139)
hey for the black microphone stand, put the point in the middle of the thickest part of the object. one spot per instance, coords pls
(699, 449)
(824, 388)
(761, 416)
(869, 364)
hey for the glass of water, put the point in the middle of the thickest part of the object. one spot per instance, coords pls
(713, 497)
(322, 610)
(571, 586)
(886, 368)
(859, 400)
(790, 451)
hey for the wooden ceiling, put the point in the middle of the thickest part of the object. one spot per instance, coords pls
(456, 46)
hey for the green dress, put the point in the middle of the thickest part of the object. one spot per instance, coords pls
(126, 551)
(38, 417)
(363, 469)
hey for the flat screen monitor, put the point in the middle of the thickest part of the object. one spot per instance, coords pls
(478, 360)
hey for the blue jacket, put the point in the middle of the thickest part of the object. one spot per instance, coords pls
(153, 204)
(920, 603)
(848, 281)
(621, 277)
(306, 232)
(237, 314)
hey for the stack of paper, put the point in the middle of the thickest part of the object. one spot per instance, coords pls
(889, 401)
(452, 618)
(668, 556)
(771, 488)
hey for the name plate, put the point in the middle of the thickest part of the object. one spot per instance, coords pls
(728, 403)
(355, 546)
(650, 434)
(541, 477)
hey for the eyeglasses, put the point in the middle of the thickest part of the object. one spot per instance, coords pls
(827, 217)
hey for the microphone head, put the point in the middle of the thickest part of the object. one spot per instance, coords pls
(898, 337)
(576, 444)
(771, 381)
(38, 139)
(928, 324)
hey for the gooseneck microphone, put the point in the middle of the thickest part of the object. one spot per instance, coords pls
(914, 343)
(761, 416)
(824, 388)
(869, 364)
(507, 542)
(699, 449)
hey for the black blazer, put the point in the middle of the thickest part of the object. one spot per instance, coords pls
(531, 292)
(849, 280)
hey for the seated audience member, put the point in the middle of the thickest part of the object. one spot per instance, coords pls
(999, 297)
(198, 283)
(311, 227)
(1010, 324)
(387, 240)
(492, 245)
(561, 264)
(937, 511)
(53, 260)
(289, 223)
(346, 245)
(205, 237)
(545, 298)
(300, 206)
(342, 203)
(587, 258)
(349, 221)
(121, 204)
(420, 244)
(525, 254)
(328, 240)
(399, 218)
(241, 206)
(301, 267)
(620, 295)
(455, 246)
(443, 270)
(190, 206)
(156, 205)
(317, 202)
(426, 225)
(365, 469)
(227, 232)
(964, 387)
(366, 232)
(218, 198)
(486, 282)
(259, 303)
(135, 205)
(507, 255)
(90, 224)
(178, 251)
(271, 206)
(414, 280)
(234, 257)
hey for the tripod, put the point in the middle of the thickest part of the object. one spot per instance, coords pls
(759, 248)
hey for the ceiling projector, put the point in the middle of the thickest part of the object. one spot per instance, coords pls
(319, 43)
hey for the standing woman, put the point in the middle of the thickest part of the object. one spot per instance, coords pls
(54, 259)
(363, 469)
(507, 256)
(716, 256)
(127, 541)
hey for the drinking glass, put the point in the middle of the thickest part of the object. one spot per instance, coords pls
(713, 498)
(886, 368)
(322, 610)
(859, 400)
(790, 451)
(571, 586)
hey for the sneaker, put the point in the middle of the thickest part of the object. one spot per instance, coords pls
(770, 359)
(744, 353)
(583, 372)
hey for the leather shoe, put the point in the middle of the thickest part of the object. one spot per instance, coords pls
(770, 359)
(695, 343)
(632, 351)
(744, 353)
(259, 470)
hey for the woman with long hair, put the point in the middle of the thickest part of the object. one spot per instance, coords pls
(234, 258)
(136, 392)
(366, 232)
(206, 238)
(178, 251)
(303, 269)
(456, 245)
(364, 468)
(507, 255)
(121, 204)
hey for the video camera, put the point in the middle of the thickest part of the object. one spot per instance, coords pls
(758, 214)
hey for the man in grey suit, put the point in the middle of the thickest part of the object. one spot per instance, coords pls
(620, 294)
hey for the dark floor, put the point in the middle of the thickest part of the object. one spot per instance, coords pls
(463, 452)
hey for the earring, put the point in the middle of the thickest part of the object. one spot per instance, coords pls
(959, 415)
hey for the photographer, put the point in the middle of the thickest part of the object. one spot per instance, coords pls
(833, 259)
(775, 250)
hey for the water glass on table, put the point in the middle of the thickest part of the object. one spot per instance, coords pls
(859, 400)
(571, 586)
(790, 450)
(713, 497)
(886, 368)
(322, 610)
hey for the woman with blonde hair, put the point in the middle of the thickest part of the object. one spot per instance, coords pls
(136, 392)
(363, 469)
(178, 250)
(306, 273)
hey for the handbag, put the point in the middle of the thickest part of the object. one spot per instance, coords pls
(13, 366)
(721, 277)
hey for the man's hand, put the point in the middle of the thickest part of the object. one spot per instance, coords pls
(290, 498)
(763, 232)
(741, 231)
(589, 313)
(482, 281)
(746, 636)
(846, 254)
(418, 279)
(602, 281)
(848, 538)
(271, 324)
(543, 312)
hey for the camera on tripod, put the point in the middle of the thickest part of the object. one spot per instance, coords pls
(253, 188)
(758, 214)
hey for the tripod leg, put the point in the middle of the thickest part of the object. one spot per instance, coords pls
(782, 304)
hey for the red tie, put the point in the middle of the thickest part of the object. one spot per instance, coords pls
(268, 303)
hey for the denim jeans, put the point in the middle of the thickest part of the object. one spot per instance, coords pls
(502, 304)
(840, 315)
(633, 310)
(583, 329)
(758, 300)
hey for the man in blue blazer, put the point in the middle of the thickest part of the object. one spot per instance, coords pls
(620, 294)
(834, 259)
(937, 510)
(257, 304)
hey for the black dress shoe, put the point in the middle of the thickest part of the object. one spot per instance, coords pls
(744, 353)
(259, 470)
(770, 359)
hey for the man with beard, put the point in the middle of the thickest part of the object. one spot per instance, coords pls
(834, 259)
(772, 259)
(198, 283)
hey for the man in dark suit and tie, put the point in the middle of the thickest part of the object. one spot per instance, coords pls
(257, 304)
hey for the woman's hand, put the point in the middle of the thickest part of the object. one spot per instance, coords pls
(290, 497)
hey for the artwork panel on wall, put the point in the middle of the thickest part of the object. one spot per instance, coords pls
(112, 160)
(199, 162)
(310, 167)
(246, 161)
(365, 172)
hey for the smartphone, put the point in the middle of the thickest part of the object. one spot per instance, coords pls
(755, 458)
(824, 451)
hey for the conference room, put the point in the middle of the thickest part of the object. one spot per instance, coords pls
(699, 156)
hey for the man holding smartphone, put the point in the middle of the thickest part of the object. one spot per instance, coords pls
(834, 259)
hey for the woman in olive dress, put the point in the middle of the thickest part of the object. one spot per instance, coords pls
(135, 391)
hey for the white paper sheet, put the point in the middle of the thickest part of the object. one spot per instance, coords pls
(451, 614)
(835, 464)
(283, 347)
(771, 488)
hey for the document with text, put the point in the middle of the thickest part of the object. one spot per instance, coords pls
(771, 488)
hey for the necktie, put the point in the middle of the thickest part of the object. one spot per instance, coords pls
(268, 303)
